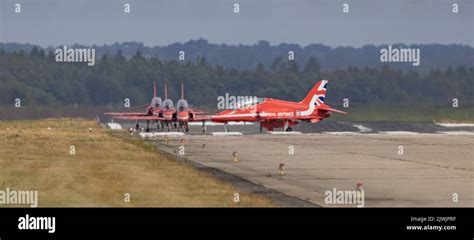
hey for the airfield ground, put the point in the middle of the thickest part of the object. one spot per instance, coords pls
(36, 155)
(432, 169)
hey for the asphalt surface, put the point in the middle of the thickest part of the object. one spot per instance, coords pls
(434, 169)
(332, 126)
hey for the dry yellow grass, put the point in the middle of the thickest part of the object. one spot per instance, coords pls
(103, 169)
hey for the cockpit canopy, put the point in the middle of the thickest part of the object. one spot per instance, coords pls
(182, 105)
(167, 104)
(250, 102)
(156, 102)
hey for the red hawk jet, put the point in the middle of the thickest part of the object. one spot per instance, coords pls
(273, 113)
(170, 116)
(152, 110)
(183, 114)
(166, 116)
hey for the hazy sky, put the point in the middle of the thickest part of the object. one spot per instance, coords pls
(157, 22)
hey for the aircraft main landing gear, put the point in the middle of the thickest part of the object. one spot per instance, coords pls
(286, 128)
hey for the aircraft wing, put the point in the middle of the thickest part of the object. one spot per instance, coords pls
(140, 118)
(201, 118)
(196, 111)
(126, 114)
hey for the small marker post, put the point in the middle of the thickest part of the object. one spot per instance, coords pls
(360, 191)
(281, 168)
(235, 155)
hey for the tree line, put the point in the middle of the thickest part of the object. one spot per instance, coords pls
(35, 78)
(433, 56)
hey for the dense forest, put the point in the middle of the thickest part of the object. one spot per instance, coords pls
(37, 79)
(433, 56)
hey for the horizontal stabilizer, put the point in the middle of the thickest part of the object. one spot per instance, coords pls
(328, 108)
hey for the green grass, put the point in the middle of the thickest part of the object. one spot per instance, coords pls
(35, 156)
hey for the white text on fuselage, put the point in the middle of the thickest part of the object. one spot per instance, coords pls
(277, 114)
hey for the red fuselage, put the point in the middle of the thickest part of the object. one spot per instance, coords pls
(272, 109)
(273, 113)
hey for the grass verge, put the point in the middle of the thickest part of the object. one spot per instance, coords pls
(36, 155)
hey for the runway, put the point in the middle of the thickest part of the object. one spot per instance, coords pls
(334, 126)
(398, 165)
(430, 172)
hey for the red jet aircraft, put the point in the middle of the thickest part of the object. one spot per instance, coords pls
(273, 113)
(167, 112)
(184, 114)
(170, 116)
(153, 109)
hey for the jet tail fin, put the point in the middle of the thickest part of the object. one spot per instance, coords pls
(318, 91)
(166, 90)
(315, 98)
(182, 90)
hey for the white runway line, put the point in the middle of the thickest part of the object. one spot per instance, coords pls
(226, 134)
(399, 133)
(283, 133)
(207, 124)
(240, 123)
(169, 134)
(457, 133)
(220, 124)
(161, 134)
(342, 133)
(455, 124)
(146, 135)
(362, 128)
(114, 126)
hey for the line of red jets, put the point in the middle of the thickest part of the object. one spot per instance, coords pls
(270, 113)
